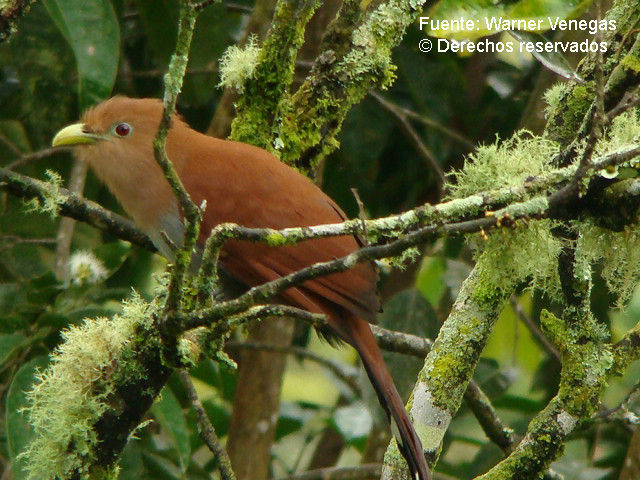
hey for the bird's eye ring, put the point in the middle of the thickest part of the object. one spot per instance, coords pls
(122, 129)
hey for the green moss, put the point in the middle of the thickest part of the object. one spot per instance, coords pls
(553, 97)
(555, 329)
(276, 239)
(631, 62)
(566, 120)
(265, 94)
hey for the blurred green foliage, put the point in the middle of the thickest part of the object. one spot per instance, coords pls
(69, 55)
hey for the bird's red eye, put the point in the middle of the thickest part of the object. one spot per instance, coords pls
(123, 129)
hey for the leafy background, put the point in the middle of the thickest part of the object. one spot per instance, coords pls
(71, 54)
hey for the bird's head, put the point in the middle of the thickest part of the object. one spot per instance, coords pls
(116, 139)
(117, 121)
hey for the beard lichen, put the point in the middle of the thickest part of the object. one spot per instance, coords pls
(617, 252)
(522, 251)
(72, 393)
(237, 64)
(504, 164)
(530, 251)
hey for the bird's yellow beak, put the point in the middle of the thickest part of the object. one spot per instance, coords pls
(76, 134)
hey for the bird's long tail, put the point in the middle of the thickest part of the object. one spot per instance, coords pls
(408, 442)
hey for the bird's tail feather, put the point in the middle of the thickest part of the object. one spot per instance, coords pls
(406, 437)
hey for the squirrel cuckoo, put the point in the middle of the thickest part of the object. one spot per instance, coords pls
(248, 186)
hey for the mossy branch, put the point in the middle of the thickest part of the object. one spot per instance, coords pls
(587, 364)
(265, 92)
(569, 121)
(73, 206)
(355, 57)
(172, 86)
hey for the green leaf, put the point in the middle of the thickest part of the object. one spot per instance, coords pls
(554, 61)
(131, 465)
(219, 376)
(9, 344)
(168, 412)
(486, 13)
(160, 467)
(354, 423)
(493, 380)
(112, 255)
(44, 289)
(430, 279)
(293, 416)
(91, 29)
(212, 34)
(10, 296)
(19, 432)
(219, 415)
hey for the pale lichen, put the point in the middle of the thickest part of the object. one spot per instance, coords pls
(553, 97)
(618, 254)
(503, 164)
(72, 393)
(238, 64)
(50, 202)
(623, 133)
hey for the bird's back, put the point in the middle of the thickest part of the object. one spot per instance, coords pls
(246, 185)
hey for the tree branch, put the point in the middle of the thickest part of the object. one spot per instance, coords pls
(74, 206)
(206, 430)
(172, 86)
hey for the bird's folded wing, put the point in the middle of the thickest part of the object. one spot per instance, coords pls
(248, 186)
(352, 290)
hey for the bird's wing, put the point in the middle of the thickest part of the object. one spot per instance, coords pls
(250, 187)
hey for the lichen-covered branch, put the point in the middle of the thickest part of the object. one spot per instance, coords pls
(569, 121)
(449, 366)
(265, 92)
(206, 430)
(72, 205)
(172, 86)
(478, 402)
(355, 57)
(587, 364)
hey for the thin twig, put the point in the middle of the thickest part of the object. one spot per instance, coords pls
(206, 430)
(204, 4)
(370, 471)
(67, 225)
(627, 103)
(173, 84)
(11, 240)
(500, 434)
(425, 121)
(413, 136)
(44, 153)
(535, 330)
(12, 146)
(74, 206)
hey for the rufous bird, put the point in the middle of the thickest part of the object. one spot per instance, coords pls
(248, 186)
